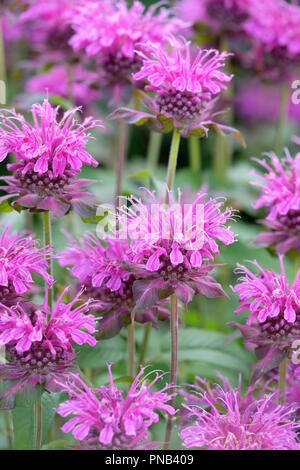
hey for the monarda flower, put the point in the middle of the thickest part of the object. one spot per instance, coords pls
(184, 85)
(280, 196)
(273, 26)
(226, 421)
(46, 27)
(105, 419)
(221, 16)
(112, 32)
(39, 342)
(101, 270)
(173, 244)
(272, 302)
(20, 257)
(49, 156)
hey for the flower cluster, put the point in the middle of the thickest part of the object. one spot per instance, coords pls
(106, 419)
(39, 341)
(280, 190)
(49, 156)
(20, 256)
(272, 302)
(222, 16)
(224, 420)
(172, 244)
(45, 25)
(274, 27)
(112, 32)
(184, 82)
(102, 270)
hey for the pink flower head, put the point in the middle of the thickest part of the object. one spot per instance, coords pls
(280, 196)
(105, 419)
(274, 27)
(45, 26)
(39, 341)
(272, 302)
(112, 32)
(49, 156)
(185, 81)
(173, 243)
(222, 16)
(102, 271)
(56, 82)
(226, 421)
(20, 256)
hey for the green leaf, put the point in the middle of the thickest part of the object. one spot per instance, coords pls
(112, 350)
(142, 174)
(24, 432)
(49, 402)
(5, 206)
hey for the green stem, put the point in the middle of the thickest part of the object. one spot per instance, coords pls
(147, 331)
(47, 241)
(131, 348)
(38, 424)
(174, 364)
(8, 428)
(282, 118)
(153, 152)
(195, 154)
(2, 67)
(173, 159)
(120, 164)
(282, 378)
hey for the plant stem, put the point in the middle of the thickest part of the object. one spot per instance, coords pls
(195, 154)
(47, 241)
(122, 150)
(8, 428)
(282, 379)
(38, 424)
(173, 159)
(174, 363)
(145, 343)
(153, 152)
(131, 348)
(282, 118)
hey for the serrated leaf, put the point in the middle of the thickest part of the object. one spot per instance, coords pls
(24, 427)
(112, 350)
(142, 174)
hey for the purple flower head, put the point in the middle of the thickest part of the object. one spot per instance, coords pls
(45, 26)
(272, 302)
(49, 156)
(227, 421)
(222, 16)
(39, 341)
(112, 32)
(172, 243)
(105, 419)
(186, 85)
(101, 271)
(274, 27)
(280, 196)
(20, 257)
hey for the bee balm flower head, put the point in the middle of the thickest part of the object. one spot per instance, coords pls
(49, 156)
(106, 419)
(39, 341)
